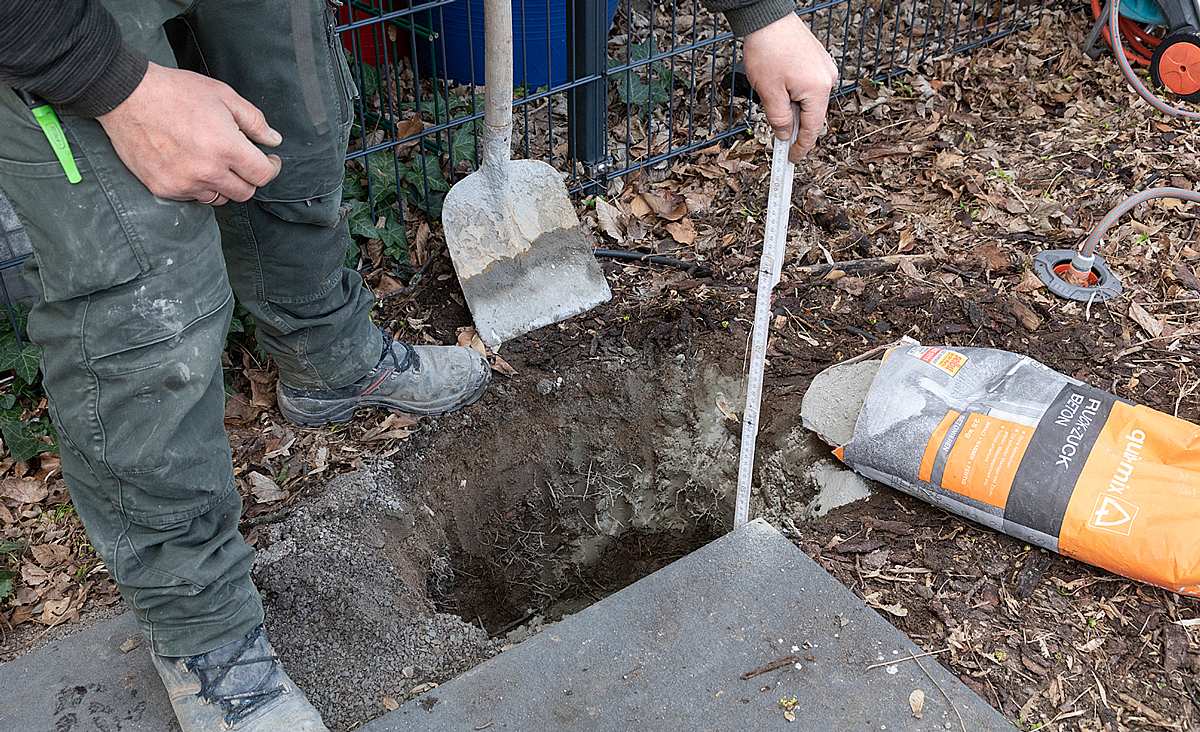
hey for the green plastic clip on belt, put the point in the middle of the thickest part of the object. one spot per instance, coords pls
(46, 118)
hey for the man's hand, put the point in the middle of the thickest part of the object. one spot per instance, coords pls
(189, 138)
(787, 65)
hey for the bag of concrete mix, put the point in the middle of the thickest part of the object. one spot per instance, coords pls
(1003, 440)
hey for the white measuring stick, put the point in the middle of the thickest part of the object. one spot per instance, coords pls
(779, 206)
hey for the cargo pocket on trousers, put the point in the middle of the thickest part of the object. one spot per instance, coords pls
(323, 210)
(79, 242)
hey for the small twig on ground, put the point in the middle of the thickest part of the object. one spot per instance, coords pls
(1185, 393)
(772, 666)
(872, 265)
(910, 657)
(946, 696)
(418, 279)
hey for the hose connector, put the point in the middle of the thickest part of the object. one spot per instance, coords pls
(1082, 264)
(1075, 276)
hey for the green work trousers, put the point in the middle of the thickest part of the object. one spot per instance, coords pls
(137, 294)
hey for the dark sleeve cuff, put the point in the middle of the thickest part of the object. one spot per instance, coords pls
(747, 19)
(115, 82)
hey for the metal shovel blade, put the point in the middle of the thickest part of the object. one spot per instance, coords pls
(521, 256)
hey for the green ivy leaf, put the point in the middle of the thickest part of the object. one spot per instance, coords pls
(382, 169)
(28, 363)
(21, 442)
(352, 186)
(370, 78)
(646, 85)
(425, 171)
(11, 547)
(463, 144)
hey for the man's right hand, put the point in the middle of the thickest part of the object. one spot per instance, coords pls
(788, 66)
(189, 138)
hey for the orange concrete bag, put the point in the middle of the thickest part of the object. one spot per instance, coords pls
(1003, 440)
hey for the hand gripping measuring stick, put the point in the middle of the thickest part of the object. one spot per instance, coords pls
(779, 206)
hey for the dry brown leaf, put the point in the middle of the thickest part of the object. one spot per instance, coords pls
(465, 335)
(373, 252)
(916, 702)
(639, 207)
(239, 412)
(1152, 325)
(410, 126)
(50, 555)
(666, 204)
(1187, 277)
(54, 611)
(390, 704)
(682, 231)
(873, 599)
(992, 256)
(1029, 282)
(946, 160)
(468, 338)
(501, 366)
(395, 426)
(265, 489)
(48, 465)
(420, 244)
(23, 490)
(262, 388)
(907, 241)
(387, 285)
(854, 286)
(1028, 318)
(609, 217)
(33, 575)
(908, 269)
(698, 201)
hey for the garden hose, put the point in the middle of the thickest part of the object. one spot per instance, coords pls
(1086, 276)
(1118, 50)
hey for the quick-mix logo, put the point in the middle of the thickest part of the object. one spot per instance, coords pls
(1076, 416)
(1114, 512)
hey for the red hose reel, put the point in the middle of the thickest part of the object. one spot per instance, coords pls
(1173, 57)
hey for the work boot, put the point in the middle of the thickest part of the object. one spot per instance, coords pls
(240, 687)
(413, 379)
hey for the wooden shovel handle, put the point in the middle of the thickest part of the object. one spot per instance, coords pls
(498, 78)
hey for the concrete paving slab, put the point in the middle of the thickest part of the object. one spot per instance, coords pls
(665, 653)
(85, 683)
(669, 652)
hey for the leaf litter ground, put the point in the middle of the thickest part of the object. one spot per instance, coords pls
(956, 176)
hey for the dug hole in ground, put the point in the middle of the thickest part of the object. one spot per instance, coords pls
(554, 493)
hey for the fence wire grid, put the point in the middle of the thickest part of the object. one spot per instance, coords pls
(602, 88)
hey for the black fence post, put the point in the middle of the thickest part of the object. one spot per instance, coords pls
(587, 109)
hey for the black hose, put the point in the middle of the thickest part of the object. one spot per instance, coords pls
(696, 270)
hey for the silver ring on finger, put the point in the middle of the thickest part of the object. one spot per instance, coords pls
(212, 200)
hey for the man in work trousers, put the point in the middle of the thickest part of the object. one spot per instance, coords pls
(197, 185)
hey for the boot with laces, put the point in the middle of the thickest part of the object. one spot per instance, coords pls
(239, 687)
(413, 379)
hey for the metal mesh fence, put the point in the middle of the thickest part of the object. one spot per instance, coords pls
(603, 88)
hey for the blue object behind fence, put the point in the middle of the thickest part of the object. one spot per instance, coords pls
(536, 62)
